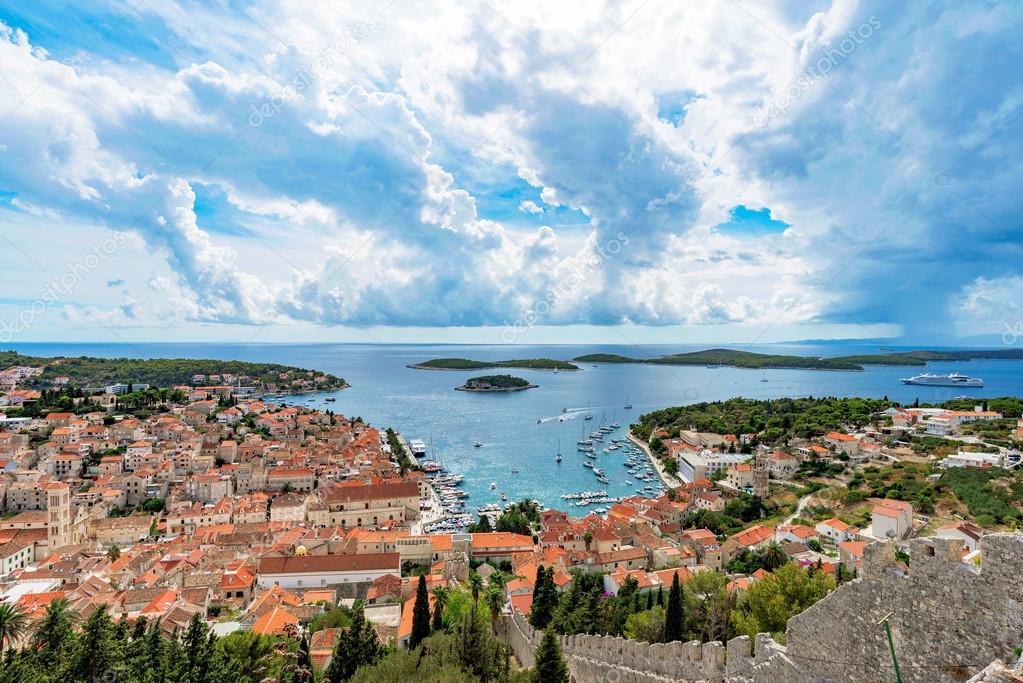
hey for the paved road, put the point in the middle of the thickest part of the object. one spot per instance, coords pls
(799, 508)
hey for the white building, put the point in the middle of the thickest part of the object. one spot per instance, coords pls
(311, 571)
(966, 459)
(891, 519)
(966, 532)
(693, 466)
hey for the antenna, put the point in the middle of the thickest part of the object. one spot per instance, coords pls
(891, 645)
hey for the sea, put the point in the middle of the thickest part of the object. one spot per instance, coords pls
(521, 432)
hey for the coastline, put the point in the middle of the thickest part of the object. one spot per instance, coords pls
(669, 480)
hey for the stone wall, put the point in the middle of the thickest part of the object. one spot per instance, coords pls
(949, 621)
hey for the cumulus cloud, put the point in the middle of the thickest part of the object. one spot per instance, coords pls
(354, 156)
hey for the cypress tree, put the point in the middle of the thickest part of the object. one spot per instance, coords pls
(673, 613)
(420, 615)
(356, 646)
(545, 598)
(649, 599)
(660, 596)
(550, 665)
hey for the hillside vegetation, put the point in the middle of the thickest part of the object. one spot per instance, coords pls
(162, 372)
(467, 364)
(749, 359)
(777, 418)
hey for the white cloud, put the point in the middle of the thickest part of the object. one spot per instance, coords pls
(531, 207)
(358, 163)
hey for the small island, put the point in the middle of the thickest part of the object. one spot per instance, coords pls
(492, 383)
(467, 364)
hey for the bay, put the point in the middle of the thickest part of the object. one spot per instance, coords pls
(423, 403)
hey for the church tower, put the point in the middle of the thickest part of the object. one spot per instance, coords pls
(58, 516)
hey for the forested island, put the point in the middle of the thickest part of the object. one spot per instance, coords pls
(489, 383)
(467, 364)
(86, 371)
(749, 359)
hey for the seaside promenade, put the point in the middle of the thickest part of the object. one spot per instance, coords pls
(670, 480)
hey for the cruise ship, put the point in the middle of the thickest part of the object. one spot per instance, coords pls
(953, 380)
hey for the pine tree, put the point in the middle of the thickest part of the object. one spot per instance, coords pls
(673, 613)
(420, 615)
(54, 633)
(550, 666)
(154, 658)
(95, 658)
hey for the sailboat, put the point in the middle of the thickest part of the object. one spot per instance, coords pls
(764, 378)
(628, 403)
(557, 458)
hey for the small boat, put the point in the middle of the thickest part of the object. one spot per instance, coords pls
(588, 417)
(515, 470)
(330, 399)
(504, 496)
(628, 403)
(564, 410)
(478, 445)
(493, 485)
(555, 369)
(557, 458)
(539, 420)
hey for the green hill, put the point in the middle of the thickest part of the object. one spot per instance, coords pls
(163, 372)
(467, 364)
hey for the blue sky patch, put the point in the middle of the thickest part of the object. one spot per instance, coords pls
(758, 221)
(671, 107)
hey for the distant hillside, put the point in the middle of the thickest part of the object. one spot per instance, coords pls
(466, 364)
(749, 359)
(162, 372)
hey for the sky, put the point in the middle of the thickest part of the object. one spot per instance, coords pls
(640, 171)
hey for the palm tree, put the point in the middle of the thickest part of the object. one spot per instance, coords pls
(53, 630)
(475, 585)
(774, 556)
(499, 579)
(495, 601)
(13, 624)
(440, 601)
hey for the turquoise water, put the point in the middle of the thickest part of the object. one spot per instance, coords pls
(423, 404)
